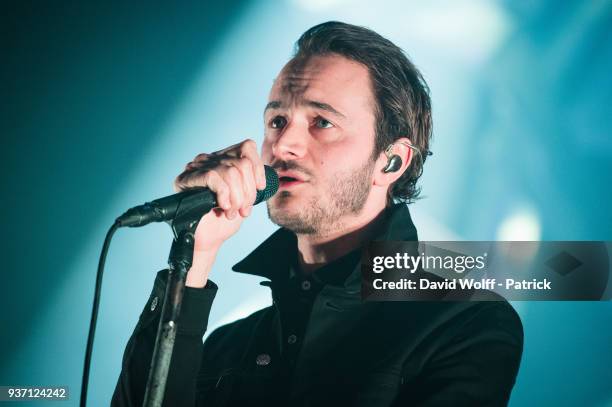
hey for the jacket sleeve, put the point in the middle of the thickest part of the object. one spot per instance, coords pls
(186, 356)
(477, 367)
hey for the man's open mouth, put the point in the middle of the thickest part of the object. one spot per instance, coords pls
(286, 181)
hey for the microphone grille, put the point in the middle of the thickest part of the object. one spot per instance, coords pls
(271, 185)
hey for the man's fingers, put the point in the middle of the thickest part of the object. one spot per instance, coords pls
(248, 184)
(232, 151)
(211, 180)
(249, 150)
(244, 149)
(234, 173)
(201, 157)
(234, 180)
(216, 184)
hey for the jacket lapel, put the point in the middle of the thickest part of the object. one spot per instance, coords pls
(272, 258)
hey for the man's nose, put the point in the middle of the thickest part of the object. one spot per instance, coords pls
(291, 143)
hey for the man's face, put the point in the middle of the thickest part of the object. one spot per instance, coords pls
(319, 136)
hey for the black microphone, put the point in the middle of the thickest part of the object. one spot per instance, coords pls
(190, 203)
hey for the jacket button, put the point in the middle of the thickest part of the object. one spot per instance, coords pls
(263, 359)
(154, 303)
(291, 339)
(306, 285)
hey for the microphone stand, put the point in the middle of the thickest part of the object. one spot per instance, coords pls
(186, 218)
(180, 259)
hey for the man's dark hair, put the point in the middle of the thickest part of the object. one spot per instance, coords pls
(403, 106)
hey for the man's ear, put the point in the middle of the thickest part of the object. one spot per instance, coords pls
(398, 148)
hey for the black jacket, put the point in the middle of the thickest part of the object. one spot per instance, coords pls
(351, 353)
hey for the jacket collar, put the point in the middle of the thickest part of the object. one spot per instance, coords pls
(272, 258)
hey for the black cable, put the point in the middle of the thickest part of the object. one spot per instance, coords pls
(94, 311)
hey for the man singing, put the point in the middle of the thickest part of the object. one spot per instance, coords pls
(347, 127)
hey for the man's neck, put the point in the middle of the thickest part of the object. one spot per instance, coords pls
(316, 250)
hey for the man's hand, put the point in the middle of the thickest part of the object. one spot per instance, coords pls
(234, 174)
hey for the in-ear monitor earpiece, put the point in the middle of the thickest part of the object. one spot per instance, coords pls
(394, 161)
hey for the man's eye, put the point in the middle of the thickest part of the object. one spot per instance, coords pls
(278, 122)
(323, 123)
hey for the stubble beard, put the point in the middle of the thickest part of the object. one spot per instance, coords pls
(346, 195)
